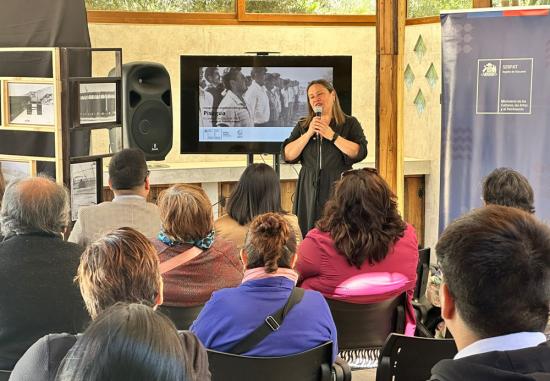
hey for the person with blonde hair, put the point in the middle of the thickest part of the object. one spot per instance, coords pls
(121, 266)
(187, 223)
(233, 314)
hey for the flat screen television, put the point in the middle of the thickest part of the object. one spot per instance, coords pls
(225, 107)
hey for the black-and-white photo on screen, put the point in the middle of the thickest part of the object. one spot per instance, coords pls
(83, 186)
(269, 99)
(97, 103)
(31, 103)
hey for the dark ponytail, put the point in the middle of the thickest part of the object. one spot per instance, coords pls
(270, 243)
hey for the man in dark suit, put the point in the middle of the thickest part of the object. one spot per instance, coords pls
(495, 295)
(37, 268)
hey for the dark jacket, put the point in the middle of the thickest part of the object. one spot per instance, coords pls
(42, 360)
(38, 292)
(520, 365)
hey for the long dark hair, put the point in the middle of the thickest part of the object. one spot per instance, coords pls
(258, 191)
(270, 243)
(362, 218)
(337, 113)
(127, 342)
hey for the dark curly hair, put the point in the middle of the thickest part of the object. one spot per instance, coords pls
(362, 218)
(270, 243)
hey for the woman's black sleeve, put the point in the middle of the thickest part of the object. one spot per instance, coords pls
(295, 134)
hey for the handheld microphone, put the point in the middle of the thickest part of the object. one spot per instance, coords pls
(318, 110)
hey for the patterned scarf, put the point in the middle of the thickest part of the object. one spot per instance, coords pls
(202, 243)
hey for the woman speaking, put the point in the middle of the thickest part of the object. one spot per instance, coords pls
(326, 142)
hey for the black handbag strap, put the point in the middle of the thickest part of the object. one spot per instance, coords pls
(270, 324)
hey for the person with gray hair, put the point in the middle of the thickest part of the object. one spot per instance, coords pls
(36, 267)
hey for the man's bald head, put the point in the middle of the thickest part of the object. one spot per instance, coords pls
(34, 204)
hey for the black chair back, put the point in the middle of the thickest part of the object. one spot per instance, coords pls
(5, 375)
(182, 317)
(312, 365)
(363, 326)
(422, 272)
(407, 358)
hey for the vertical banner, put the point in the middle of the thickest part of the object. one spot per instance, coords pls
(495, 104)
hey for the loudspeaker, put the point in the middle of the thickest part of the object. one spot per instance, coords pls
(147, 109)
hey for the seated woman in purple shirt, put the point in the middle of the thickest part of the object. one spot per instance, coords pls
(233, 313)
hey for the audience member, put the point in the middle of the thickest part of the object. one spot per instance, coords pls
(121, 266)
(258, 191)
(507, 187)
(187, 222)
(495, 295)
(36, 267)
(129, 181)
(130, 342)
(233, 314)
(361, 250)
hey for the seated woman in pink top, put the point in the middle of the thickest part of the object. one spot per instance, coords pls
(361, 250)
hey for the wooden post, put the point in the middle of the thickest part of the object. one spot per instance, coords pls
(390, 39)
(482, 4)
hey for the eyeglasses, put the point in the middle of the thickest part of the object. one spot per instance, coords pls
(366, 169)
(147, 175)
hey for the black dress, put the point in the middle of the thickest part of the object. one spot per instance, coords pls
(309, 201)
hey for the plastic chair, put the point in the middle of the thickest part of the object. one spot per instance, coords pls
(420, 303)
(422, 271)
(311, 365)
(5, 375)
(406, 358)
(363, 328)
(182, 317)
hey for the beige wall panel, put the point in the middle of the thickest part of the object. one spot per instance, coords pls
(165, 43)
(423, 129)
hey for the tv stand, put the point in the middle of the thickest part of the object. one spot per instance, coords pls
(276, 162)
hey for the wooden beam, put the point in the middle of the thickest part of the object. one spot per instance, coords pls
(390, 40)
(238, 18)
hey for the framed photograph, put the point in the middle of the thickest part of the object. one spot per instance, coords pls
(12, 169)
(97, 103)
(30, 103)
(86, 184)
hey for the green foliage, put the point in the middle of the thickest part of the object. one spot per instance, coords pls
(163, 5)
(228, 6)
(323, 7)
(424, 8)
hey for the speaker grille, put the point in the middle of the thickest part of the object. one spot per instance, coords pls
(148, 128)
